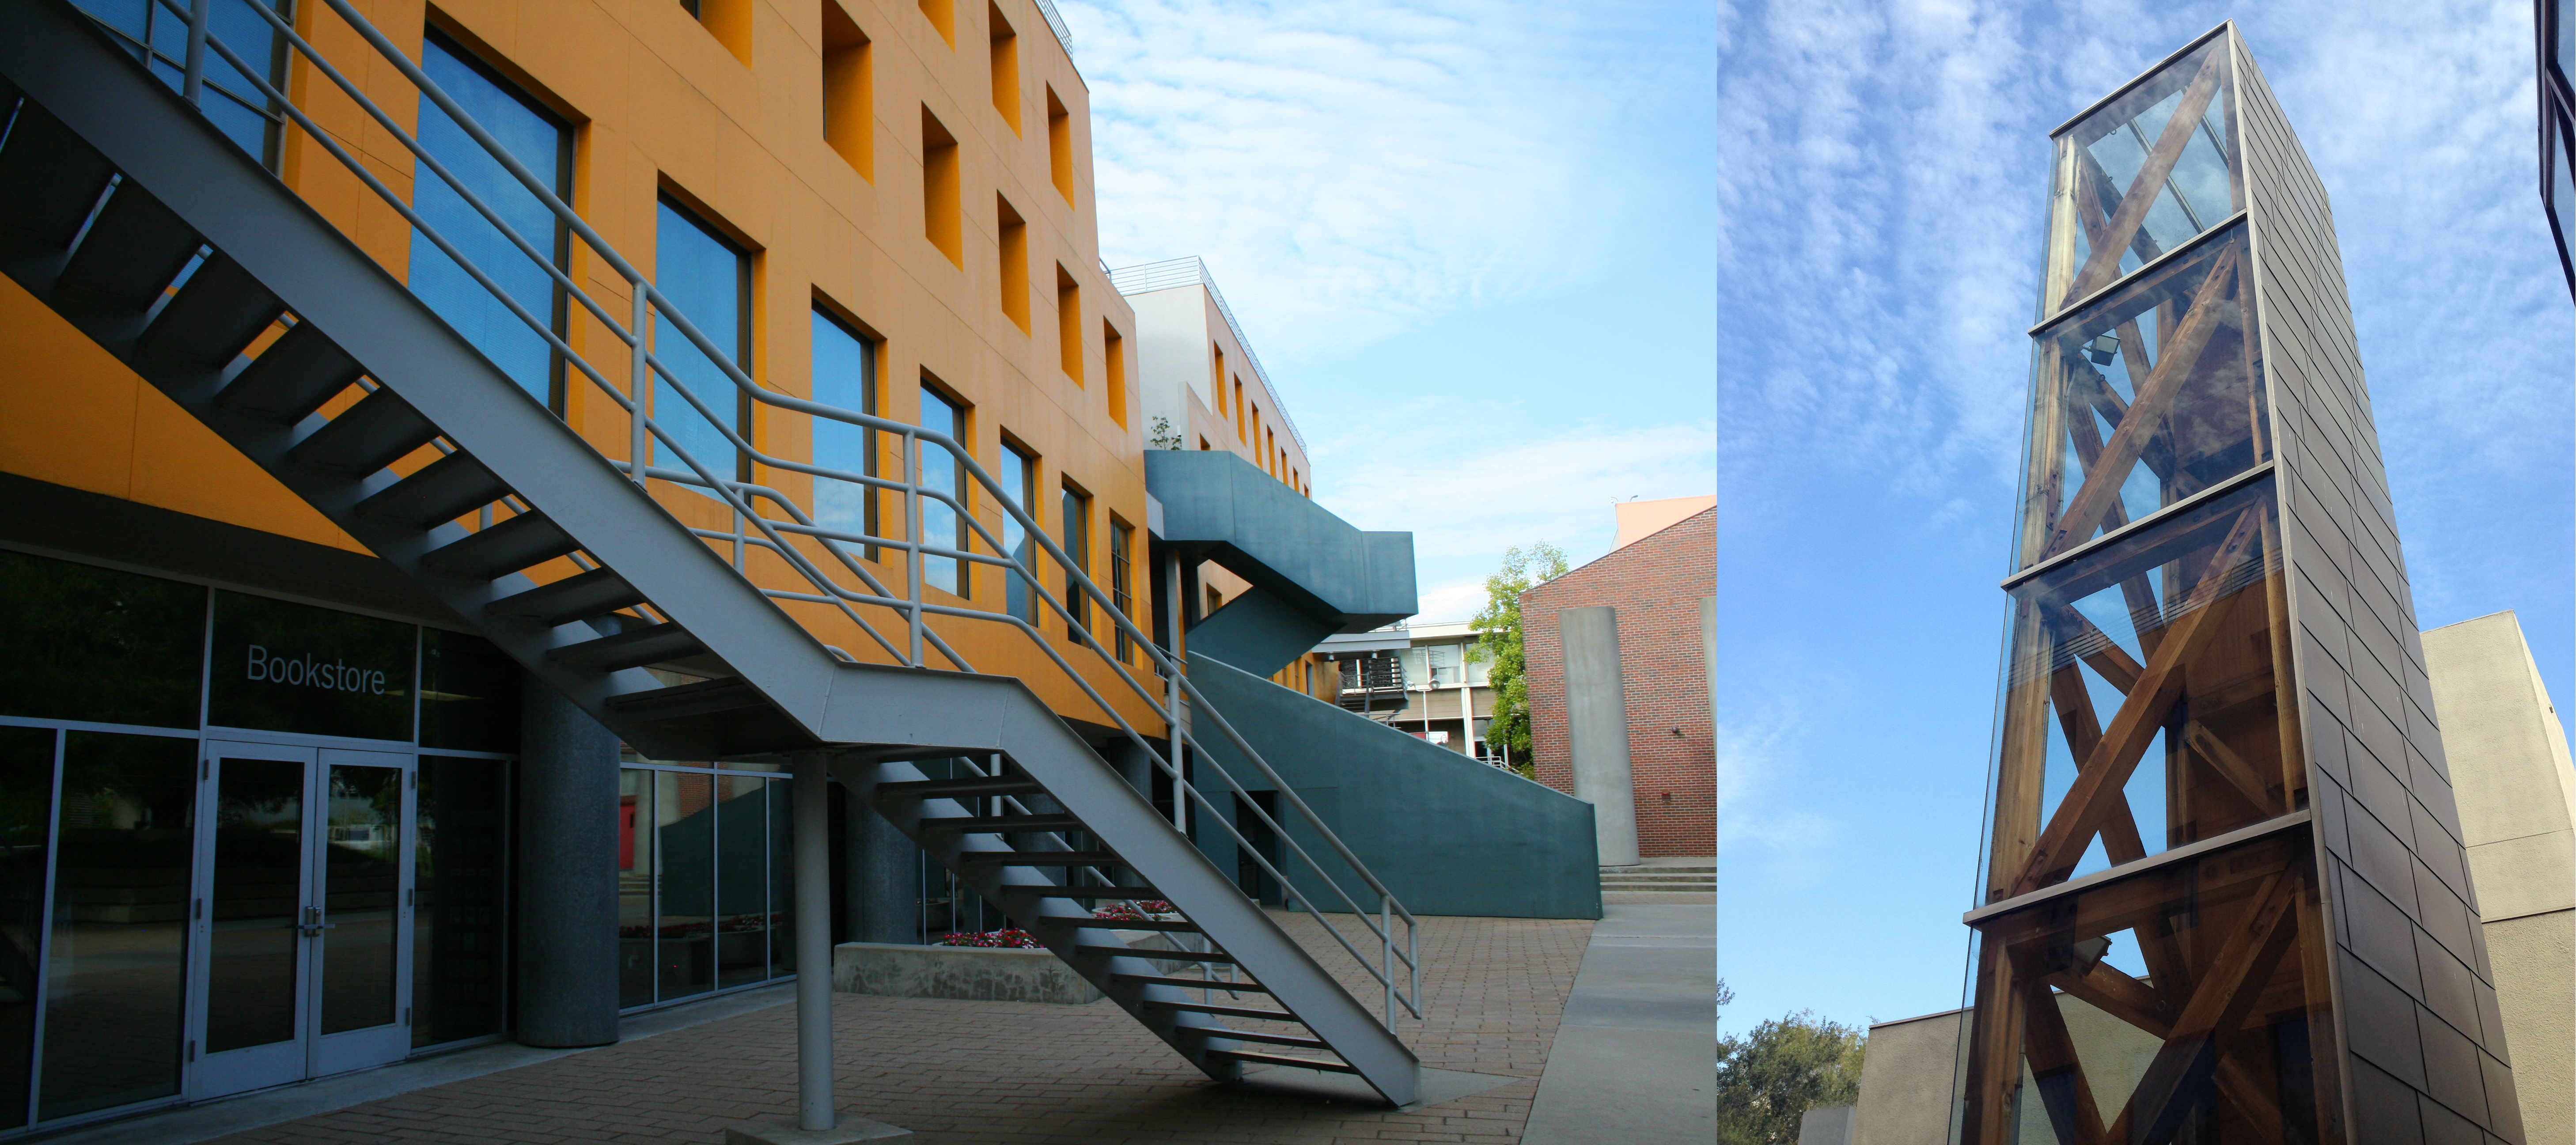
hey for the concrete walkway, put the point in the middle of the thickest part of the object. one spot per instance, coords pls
(1635, 1059)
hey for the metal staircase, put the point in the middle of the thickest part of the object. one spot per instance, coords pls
(136, 220)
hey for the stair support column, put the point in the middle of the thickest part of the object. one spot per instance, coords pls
(813, 858)
(567, 864)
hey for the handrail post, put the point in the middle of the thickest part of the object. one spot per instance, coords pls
(1172, 687)
(1386, 958)
(194, 86)
(912, 525)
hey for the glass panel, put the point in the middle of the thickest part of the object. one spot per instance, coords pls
(684, 850)
(469, 693)
(2142, 175)
(2143, 399)
(1019, 476)
(742, 880)
(942, 471)
(458, 968)
(2178, 1006)
(296, 668)
(95, 644)
(1073, 520)
(116, 963)
(362, 869)
(845, 375)
(251, 984)
(127, 16)
(705, 277)
(782, 882)
(26, 812)
(634, 887)
(2140, 708)
(1120, 569)
(537, 141)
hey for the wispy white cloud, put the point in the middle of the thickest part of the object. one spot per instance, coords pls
(1754, 817)
(1348, 169)
(1465, 506)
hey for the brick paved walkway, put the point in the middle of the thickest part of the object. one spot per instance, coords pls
(961, 1072)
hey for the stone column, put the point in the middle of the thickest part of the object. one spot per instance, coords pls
(881, 873)
(1596, 717)
(567, 873)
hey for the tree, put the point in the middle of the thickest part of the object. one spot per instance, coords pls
(1498, 640)
(1769, 1079)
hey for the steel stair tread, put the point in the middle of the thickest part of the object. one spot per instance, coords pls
(440, 491)
(1312, 1043)
(378, 431)
(1169, 925)
(50, 178)
(632, 648)
(1002, 824)
(520, 542)
(1238, 986)
(1283, 1059)
(1158, 955)
(134, 248)
(217, 313)
(581, 596)
(1222, 1011)
(680, 701)
(961, 788)
(1043, 858)
(292, 378)
(1058, 890)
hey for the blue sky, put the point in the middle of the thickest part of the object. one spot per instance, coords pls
(1882, 169)
(1470, 241)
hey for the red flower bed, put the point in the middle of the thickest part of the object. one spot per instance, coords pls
(1013, 937)
(1143, 908)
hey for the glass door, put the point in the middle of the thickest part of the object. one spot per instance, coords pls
(299, 918)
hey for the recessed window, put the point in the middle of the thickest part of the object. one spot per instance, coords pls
(943, 471)
(709, 279)
(542, 144)
(1013, 232)
(1019, 479)
(729, 21)
(1114, 350)
(845, 375)
(942, 15)
(1238, 410)
(1216, 378)
(1122, 574)
(1006, 68)
(1060, 146)
(1073, 512)
(940, 221)
(1068, 324)
(849, 105)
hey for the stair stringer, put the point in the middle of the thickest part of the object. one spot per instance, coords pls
(1048, 751)
(157, 141)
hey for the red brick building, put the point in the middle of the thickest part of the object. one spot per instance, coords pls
(1656, 582)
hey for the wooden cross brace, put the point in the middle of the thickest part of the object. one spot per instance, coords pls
(2104, 263)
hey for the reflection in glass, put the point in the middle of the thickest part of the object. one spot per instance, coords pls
(2142, 399)
(742, 880)
(232, 99)
(287, 667)
(709, 281)
(469, 693)
(540, 144)
(684, 918)
(1019, 475)
(26, 811)
(2142, 175)
(2139, 708)
(2177, 1006)
(257, 904)
(459, 846)
(845, 375)
(942, 471)
(116, 962)
(635, 866)
(69, 626)
(362, 887)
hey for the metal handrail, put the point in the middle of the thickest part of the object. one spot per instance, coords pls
(741, 497)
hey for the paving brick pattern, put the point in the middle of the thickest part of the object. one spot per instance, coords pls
(961, 1072)
(1656, 583)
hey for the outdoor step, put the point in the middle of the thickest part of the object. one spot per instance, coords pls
(524, 541)
(1283, 1059)
(597, 592)
(133, 249)
(212, 318)
(1224, 1011)
(293, 377)
(1059, 891)
(372, 434)
(1042, 858)
(49, 180)
(633, 648)
(441, 491)
(1254, 1036)
(1173, 925)
(1236, 986)
(966, 787)
(1160, 955)
(1002, 824)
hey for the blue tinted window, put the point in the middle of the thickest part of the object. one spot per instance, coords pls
(1019, 478)
(159, 36)
(845, 375)
(537, 142)
(707, 279)
(940, 470)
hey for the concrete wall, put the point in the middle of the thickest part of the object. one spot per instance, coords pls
(2517, 797)
(1657, 584)
(1447, 834)
(1907, 1080)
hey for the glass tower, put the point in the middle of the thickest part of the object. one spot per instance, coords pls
(2224, 894)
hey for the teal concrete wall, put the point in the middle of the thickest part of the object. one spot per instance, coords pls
(1315, 574)
(1447, 834)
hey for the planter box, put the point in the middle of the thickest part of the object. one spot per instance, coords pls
(974, 973)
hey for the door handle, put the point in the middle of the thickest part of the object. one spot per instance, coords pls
(313, 926)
